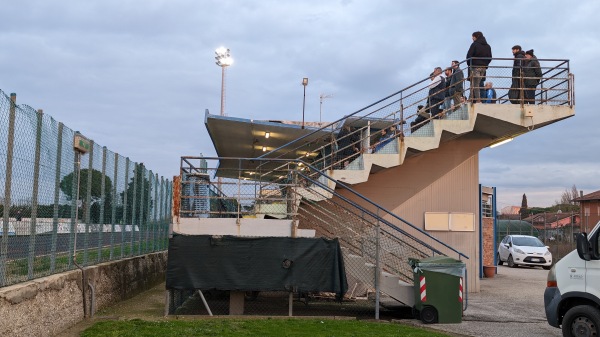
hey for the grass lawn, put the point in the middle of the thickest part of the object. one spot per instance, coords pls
(255, 327)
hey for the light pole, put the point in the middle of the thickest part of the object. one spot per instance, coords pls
(321, 98)
(304, 84)
(224, 59)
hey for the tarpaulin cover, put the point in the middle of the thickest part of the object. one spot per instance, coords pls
(255, 264)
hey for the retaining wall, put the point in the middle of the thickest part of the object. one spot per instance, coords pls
(49, 305)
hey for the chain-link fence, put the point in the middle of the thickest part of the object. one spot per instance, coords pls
(61, 207)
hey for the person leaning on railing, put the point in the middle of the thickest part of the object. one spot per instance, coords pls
(478, 58)
(532, 73)
(514, 94)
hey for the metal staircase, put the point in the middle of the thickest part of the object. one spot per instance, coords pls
(312, 173)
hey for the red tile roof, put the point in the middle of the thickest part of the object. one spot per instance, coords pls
(587, 197)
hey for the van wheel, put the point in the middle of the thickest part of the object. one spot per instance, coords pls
(511, 262)
(582, 320)
(500, 262)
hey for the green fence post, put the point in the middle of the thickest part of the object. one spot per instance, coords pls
(141, 212)
(34, 197)
(56, 198)
(148, 212)
(102, 209)
(88, 199)
(113, 218)
(7, 188)
(155, 217)
(124, 221)
(133, 206)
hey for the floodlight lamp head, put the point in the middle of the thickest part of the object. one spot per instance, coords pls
(305, 81)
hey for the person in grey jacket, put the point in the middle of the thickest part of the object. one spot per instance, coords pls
(457, 80)
(532, 74)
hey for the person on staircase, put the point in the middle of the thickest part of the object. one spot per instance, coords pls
(437, 89)
(456, 83)
(479, 57)
(514, 93)
(532, 73)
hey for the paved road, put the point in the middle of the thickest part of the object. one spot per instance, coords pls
(509, 305)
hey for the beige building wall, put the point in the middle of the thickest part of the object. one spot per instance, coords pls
(441, 180)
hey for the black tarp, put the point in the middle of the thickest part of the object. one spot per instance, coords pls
(255, 264)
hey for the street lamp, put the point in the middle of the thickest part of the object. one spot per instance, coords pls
(304, 84)
(224, 59)
(321, 98)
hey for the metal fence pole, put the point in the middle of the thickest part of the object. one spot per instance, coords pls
(124, 221)
(102, 209)
(87, 207)
(141, 212)
(34, 197)
(155, 212)
(56, 198)
(377, 267)
(148, 212)
(7, 189)
(114, 206)
(133, 205)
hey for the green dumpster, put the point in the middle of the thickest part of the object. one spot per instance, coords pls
(438, 289)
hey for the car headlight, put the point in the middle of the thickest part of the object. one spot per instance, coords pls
(518, 251)
(547, 253)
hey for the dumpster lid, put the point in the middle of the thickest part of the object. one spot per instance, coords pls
(438, 264)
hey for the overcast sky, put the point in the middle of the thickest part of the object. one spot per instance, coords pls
(137, 75)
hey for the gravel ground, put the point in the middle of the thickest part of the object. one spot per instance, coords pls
(509, 305)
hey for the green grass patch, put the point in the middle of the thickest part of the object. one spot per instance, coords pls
(255, 327)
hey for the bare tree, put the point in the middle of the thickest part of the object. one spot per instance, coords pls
(567, 196)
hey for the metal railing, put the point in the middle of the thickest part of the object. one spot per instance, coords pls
(303, 195)
(123, 209)
(366, 231)
(399, 114)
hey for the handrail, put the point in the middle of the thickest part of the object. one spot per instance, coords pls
(552, 72)
(346, 187)
(369, 201)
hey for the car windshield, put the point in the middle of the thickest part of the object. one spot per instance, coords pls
(528, 241)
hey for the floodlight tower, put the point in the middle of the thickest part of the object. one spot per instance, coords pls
(224, 60)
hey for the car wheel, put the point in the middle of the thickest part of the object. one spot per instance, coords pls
(511, 262)
(429, 315)
(500, 262)
(582, 320)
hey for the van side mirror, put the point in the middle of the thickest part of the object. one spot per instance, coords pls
(595, 246)
(583, 247)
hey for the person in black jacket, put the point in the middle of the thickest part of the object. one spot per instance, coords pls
(478, 58)
(456, 83)
(532, 74)
(514, 94)
(437, 89)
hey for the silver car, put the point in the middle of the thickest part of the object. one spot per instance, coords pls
(524, 250)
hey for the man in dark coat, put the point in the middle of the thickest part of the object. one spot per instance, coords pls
(515, 92)
(478, 58)
(532, 74)
(437, 89)
(456, 83)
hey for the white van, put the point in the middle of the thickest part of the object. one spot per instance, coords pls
(572, 296)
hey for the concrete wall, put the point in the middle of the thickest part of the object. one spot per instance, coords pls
(49, 305)
(445, 179)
